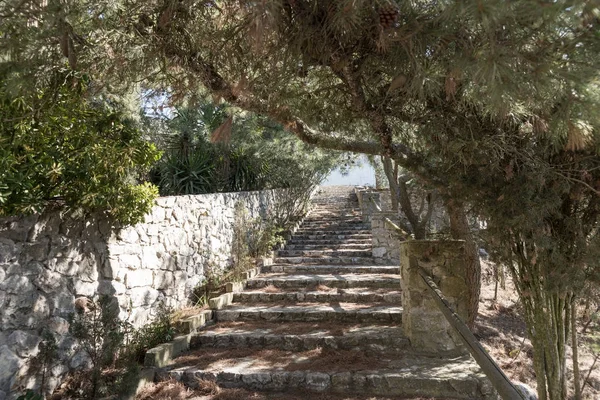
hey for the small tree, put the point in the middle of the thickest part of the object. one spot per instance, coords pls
(56, 148)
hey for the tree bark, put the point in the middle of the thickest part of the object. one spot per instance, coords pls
(574, 345)
(388, 168)
(459, 229)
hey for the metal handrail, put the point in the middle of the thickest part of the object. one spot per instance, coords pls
(505, 388)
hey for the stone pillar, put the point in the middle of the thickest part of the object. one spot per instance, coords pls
(386, 243)
(423, 322)
(368, 207)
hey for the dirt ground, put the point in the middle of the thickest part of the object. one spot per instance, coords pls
(502, 332)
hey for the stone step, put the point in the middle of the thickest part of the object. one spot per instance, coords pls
(332, 236)
(302, 336)
(282, 280)
(329, 242)
(340, 260)
(331, 269)
(338, 246)
(334, 215)
(320, 219)
(339, 223)
(331, 371)
(312, 312)
(331, 231)
(325, 252)
(322, 294)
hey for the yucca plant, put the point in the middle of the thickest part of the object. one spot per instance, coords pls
(190, 174)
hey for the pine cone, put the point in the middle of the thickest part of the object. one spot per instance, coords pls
(388, 15)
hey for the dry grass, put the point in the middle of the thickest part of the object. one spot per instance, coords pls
(166, 390)
(271, 289)
(186, 312)
(207, 387)
(502, 331)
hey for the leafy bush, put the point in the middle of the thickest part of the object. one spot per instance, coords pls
(57, 148)
(113, 347)
(193, 173)
(258, 155)
(209, 287)
(100, 335)
(160, 330)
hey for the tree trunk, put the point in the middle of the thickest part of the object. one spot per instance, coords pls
(388, 168)
(459, 229)
(418, 229)
(548, 317)
(574, 345)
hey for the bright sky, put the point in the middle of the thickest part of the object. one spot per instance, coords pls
(361, 174)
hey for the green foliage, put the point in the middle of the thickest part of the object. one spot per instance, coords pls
(114, 348)
(42, 364)
(179, 174)
(57, 148)
(263, 236)
(30, 395)
(100, 334)
(260, 155)
(211, 286)
(160, 330)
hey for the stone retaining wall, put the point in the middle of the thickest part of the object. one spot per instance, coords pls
(48, 261)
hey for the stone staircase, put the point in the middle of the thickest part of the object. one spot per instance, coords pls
(323, 319)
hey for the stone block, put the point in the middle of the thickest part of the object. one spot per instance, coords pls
(162, 355)
(164, 280)
(234, 287)
(63, 304)
(144, 377)
(139, 278)
(38, 250)
(58, 326)
(150, 259)
(257, 380)
(195, 322)
(40, 308)
(220, 302)
(318, 381)
(129, 261)
(9, 366)
(110, 287)
(424, 324)
(128, 235)
(24, 344)
(341, 381)
(32, 268)
(17, 285)
(9, 251)
(379, 252)
(143, 296)
(87, 289)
